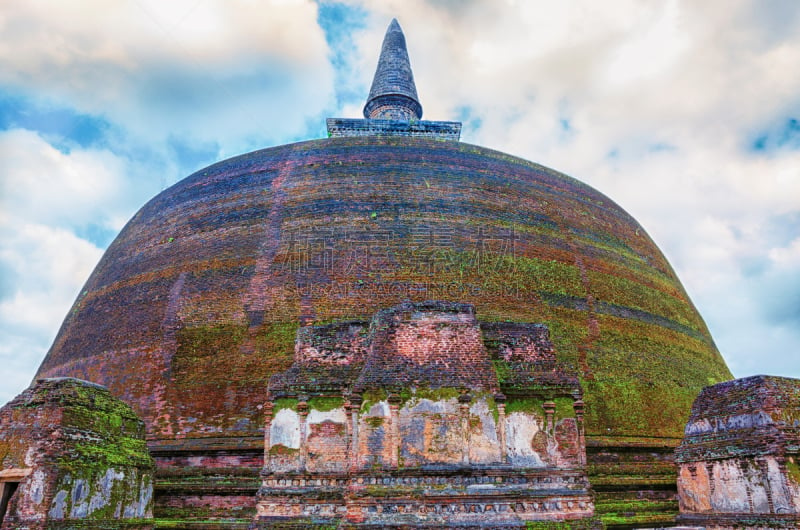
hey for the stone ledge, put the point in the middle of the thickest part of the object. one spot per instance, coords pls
(739, 521)
(442, 130)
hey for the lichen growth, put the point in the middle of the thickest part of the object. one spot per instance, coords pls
(433, 394)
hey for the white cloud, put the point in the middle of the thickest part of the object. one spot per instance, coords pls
(50, 265)
(242, 73)
(651, 49)
(47, 196)
(42, 183)
(47, 266)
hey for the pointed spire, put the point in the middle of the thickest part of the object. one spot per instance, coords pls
(393, 95)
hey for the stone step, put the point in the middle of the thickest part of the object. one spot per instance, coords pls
(636, 509)
(628, 482)
(652, 468)
(197, 498)
(185, 524)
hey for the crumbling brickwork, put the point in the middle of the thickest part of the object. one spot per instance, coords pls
(403, 421)
(76, 458)
(428, 345)
(739, 462)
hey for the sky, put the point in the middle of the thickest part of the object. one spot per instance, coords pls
(685, 113)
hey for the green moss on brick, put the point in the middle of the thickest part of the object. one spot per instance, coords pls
(526, 405)
(589, 523)
(202, 341)
(620, 291)
(284, 403)
(325, 404)
(564, 408)
(550, 276)
(371, 397)
(274, 344)
(436, 394)
(280, 449)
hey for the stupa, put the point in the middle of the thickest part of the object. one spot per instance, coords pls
(408, 329)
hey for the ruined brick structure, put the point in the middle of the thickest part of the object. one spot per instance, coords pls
(261, 273)
(404, 420)
(739, 462)
(73, 456)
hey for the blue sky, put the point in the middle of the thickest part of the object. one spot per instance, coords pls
(685, 113)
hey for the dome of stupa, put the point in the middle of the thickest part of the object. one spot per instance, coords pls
(196, 303)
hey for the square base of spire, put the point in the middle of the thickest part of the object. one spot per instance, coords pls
(442, 130)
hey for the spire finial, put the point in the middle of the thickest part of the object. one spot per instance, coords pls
(393, 95)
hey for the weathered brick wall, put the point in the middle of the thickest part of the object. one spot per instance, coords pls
(430, 345)
(431, 433)
(518, 342)
(739, 462)
(82, 455)
(327, 441)
(374, 447)
(340, 343)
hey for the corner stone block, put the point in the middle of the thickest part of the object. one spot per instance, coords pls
(73, 456)
(739, 461)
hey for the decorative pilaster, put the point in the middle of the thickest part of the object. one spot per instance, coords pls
(268, 411)
(354, 410)
(464, 400)
(302, 412)
(710, 473)
(580, 407)
(549, 411)
(348, 430)
(763, 466)
(394, 429)
(500, 401)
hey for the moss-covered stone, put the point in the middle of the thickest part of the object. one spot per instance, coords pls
(83, 457)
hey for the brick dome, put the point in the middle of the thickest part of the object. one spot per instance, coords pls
(196, 303)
